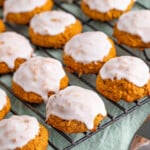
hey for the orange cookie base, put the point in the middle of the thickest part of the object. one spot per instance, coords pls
(93, 67)
(2, 26)
(6, 109)
(129, 39)
(1, 2)
(33, 97)
(58, 40)
(72, 126)
(25, 17)
(116, 90)
(112, 14)
(5, 69)
(40, 142)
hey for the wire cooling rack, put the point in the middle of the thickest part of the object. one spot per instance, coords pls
(115, 110)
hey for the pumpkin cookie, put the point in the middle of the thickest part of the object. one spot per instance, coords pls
(53, 29)
(14, 50)
(70, 112)
(2, 26)
(87, 52)
(1, 2)
(38, 78)
(20, 12)
(4, 104)
(23, 133)
(124, 77)
(132, 29)
(106, 10)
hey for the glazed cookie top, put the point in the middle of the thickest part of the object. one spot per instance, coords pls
(15, 6)
(88, 47)
(52, 22)
(137, 23)
(71, 104)
(13, 46)
(130, 68)
(3, 97)
(40, 75)
(107, 5)
(17, 131)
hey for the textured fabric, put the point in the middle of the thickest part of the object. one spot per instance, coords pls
(119, 135)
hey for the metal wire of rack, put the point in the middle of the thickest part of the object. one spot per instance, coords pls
(20, 107)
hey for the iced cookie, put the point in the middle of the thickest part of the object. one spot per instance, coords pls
(70, 112)
(2, 26)
(22, 133)
(20, 12)
(4, 104)
(53, 29)
(15, 49)
(87, 52)
(133, 29)
(124, 77)
(1, 2)
(38, 78)
(106, 10)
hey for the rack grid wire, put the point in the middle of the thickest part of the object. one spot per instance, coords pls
(123, 108)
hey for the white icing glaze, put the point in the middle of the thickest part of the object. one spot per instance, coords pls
(13, 46)
(130, 68)
(76, 103)
(137, 23)
(51, 23)
(88, 47)
(3, 97)
(15, 6)
(17, 131)
(40, 75)
(107, 5)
